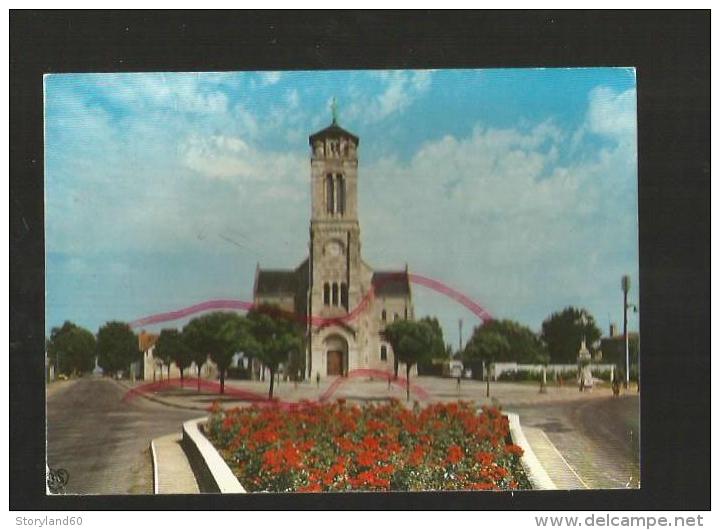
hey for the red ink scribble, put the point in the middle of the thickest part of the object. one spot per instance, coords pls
(315, 320)
(261, 399)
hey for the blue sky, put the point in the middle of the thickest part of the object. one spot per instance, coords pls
(516, 186)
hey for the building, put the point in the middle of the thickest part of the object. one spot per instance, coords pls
(350, 302)
(154, 369)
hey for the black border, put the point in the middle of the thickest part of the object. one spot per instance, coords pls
(671, 51)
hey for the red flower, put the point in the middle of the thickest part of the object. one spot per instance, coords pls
(513, 449)
(484, 458)
(455, 454)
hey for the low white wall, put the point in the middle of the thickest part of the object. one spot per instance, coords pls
(500, 368)
(211, 471)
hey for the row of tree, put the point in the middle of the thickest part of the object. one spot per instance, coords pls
(558, 342)
(264, 333)
(495, 341)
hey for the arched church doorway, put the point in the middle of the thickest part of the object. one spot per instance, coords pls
(336, 349)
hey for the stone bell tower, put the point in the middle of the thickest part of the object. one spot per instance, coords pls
(334, 227)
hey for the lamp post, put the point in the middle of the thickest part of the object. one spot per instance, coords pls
(625, 284)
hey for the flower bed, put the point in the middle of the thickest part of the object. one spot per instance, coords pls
(341, 447)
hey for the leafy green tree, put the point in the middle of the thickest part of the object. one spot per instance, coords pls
(212, 334)
(524, 346)
(563, 332)
(413, 342)
(274, 338)
(71, 348)
(434, 326)
(193, 335)
(117, 347)
(172, 347)
(486, 346)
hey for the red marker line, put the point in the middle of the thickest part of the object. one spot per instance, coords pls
(316, 320)
(261, 399)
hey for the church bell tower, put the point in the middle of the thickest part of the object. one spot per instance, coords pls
(334, 227)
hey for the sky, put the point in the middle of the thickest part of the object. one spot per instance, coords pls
(517, 187)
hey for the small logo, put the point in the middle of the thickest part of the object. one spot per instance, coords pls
(57, 479)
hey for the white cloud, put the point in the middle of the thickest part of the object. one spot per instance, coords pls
(612, 113)
(270, 78)
(231, 158)
(292, 98)
(400, 89)
(499, 214)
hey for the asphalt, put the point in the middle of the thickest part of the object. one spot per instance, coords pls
(102, 441)
(598, 438)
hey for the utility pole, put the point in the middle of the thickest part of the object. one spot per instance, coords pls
(460, 329)
(625, 283)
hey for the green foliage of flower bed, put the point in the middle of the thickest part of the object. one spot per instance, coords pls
(386, 447)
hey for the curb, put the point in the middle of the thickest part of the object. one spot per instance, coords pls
(536, 473)
(211, 472)
(156, 479)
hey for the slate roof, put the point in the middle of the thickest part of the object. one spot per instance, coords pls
(276, 282)
(333, 131)
(391, 283)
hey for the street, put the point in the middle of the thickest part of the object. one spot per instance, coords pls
(598, 438)
(102, 441)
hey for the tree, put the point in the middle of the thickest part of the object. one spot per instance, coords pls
(193, 335)
(563, 332)
(211, 334)
(71, 348)
(117, 347)
(434, 326)
(274, 337)
(524, 346)
(413, 342)
(487, 346)
(171, 347)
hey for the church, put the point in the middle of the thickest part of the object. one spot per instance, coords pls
(343, 301)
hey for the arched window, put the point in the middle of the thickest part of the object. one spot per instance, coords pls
(344, 295)
(326, 293)
(396, 316)
(334, 294)
(330, 193)
(406, 313)
(340, 195)
(383, 353)
(384, 315)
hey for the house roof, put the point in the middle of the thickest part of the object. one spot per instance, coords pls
(333, 131)
(391, 283)
(147, 340)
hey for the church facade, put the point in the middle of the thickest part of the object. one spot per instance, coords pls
(344, 302)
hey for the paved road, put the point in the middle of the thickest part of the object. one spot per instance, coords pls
(599, 438)
(102, 441)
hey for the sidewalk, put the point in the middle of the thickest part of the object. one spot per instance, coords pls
(172, 473)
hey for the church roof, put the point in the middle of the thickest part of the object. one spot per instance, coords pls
(274, 282)
(391, 283)
(280, 281)
(333, 131)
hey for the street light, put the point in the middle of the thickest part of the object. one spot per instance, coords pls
(625, 284)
